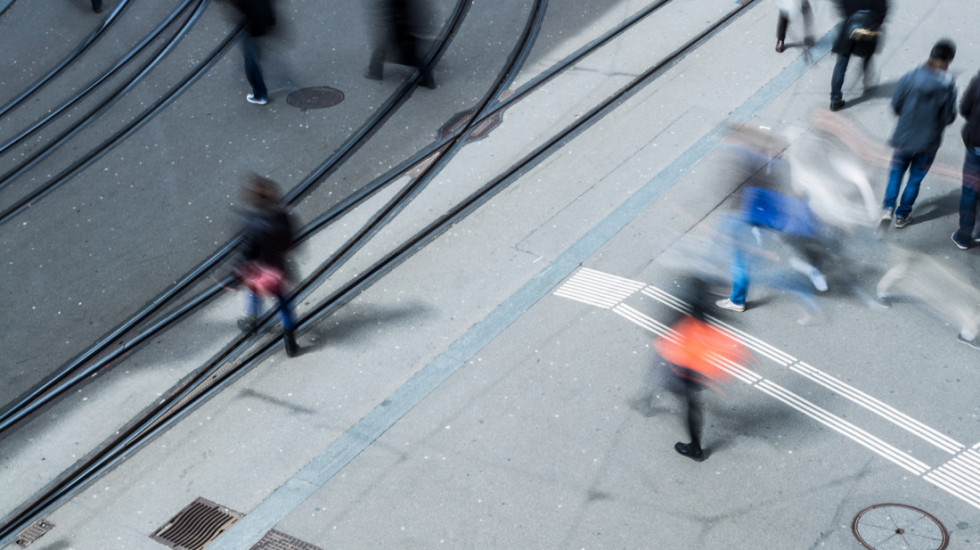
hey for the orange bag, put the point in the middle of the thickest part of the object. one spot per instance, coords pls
(698, 346)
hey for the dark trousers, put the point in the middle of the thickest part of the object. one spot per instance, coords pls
(837, 80)
(691, 394)
(250, 51)
(784, 22)
(969, 195)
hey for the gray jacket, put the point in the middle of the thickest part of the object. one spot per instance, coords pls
(925, 102)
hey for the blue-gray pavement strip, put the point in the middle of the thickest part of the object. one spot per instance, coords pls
(255, 524)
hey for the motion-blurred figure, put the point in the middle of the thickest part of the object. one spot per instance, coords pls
(769, 220)
(943, 289)
(925, 102)
(695, 352)
(785, 7)
(259, 18)
(396, 27)
(266, 237)
(858, 36)
(97, 6)
(970, 191)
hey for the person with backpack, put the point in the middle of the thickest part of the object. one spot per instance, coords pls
(970, 191)
(925, 102)
(858, 36)
(266, 237)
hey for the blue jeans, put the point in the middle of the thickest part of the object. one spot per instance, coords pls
(255, 305)
(837, 80)
(970, 194)
(250, 51)
(917, 165)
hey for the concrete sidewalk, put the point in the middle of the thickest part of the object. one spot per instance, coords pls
(466, 401)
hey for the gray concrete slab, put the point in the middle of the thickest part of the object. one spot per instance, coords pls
(465, 403)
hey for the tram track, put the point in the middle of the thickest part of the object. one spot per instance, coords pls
(238, 356)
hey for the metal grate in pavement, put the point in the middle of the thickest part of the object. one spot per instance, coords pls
(277, 540)
(196, 526)
(33, 532)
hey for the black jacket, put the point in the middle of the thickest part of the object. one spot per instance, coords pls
(257, 16)
(266, 237)
(970, 109)
(843, 45)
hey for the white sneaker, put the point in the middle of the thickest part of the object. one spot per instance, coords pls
(258, 101)
(818, 280)
(730, 305)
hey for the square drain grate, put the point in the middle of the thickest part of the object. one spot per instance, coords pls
(196, 526)
(35, 531)
(277, 540)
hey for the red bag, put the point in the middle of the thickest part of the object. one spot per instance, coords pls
(263, 280)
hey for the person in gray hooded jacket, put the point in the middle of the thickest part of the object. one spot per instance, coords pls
(925, 102)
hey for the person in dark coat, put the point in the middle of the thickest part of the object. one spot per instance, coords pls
(267, 235)
(858, 36)
(925, 102)
(970, 192)
(396, 29)
(259, 18)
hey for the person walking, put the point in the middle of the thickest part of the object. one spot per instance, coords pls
(858, 36)
(396, 28)
(925, 102)
(784, 10)
(266, 237)
(258, 18)
(970, 191)
(694, 350)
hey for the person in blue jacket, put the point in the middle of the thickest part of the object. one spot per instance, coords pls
(970, 193)
(925, 102)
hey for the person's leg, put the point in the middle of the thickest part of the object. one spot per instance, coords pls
(252, 306)
(288, 325)
(807, 23)
(740, 277)
(899, 164)
(253, 72)
(781, 26)
(919, 165)
(97, 6)
(695, 421)
(837, 82)
(970, 192)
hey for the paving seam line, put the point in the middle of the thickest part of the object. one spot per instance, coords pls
(291, 494)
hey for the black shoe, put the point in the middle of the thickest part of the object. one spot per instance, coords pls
(690, 450)
(808, 42)
(247, 324)
(779, 46)
(836, 105)
(292, 348)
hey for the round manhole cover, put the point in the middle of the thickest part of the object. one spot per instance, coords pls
(897, 526)
(319, 97)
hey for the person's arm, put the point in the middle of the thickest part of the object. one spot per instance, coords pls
(899, 95)
(950, 107)
(969, 98)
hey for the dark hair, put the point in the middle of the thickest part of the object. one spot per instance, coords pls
(261, 192)
(944, 50)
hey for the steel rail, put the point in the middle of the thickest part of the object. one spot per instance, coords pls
(108, 73)
(72, 56)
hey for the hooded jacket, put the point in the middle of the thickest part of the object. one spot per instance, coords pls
(925, 102)
(970, 109)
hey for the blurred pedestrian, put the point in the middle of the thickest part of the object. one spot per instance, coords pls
(858, 36)
(397, 25)
(696, 352)
(970, 191)
(925, 102)
(785, 7)
(266, 237)
(97, 6)
(258, 18)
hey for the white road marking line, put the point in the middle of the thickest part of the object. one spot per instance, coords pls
(598, 288)
(887, 412)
